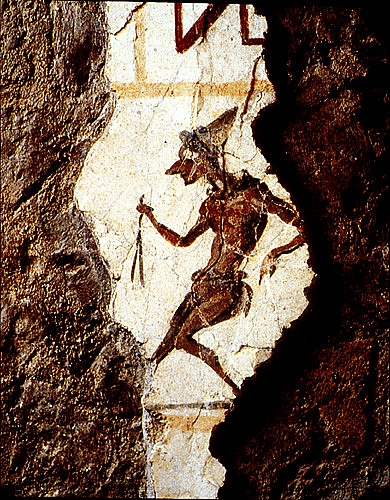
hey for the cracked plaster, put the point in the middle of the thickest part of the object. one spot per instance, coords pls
(160, 93)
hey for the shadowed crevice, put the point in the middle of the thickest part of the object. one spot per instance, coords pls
(307, 423)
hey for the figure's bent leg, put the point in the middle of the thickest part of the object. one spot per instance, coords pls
(207, 356)
(178, 319)
(202, 316)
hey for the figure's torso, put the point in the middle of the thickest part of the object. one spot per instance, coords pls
(238, 219)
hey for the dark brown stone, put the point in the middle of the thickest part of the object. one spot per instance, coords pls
(72, 379)
(312, 422)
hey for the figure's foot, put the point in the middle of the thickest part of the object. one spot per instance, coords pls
(153, 365)
(160, 353)
(233, 386)
(268, 266)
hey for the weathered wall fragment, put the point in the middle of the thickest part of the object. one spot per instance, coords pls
(313, 423)
(163, 88)
(71, 378)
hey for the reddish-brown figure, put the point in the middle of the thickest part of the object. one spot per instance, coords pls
(236, 211)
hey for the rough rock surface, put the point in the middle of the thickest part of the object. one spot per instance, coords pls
(313, 422)
(71, 379)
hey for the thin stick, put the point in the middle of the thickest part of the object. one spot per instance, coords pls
(139, 251)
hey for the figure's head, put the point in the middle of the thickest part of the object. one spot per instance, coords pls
(199, 154)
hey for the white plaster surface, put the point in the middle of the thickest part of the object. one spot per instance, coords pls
(160, 93)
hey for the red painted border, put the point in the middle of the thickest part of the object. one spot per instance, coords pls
(204, 22)
(198, 29)
(246, 40)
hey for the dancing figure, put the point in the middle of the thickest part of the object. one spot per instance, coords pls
(236, 210)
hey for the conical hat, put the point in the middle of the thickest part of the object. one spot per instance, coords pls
(216, 132)
(219, 128)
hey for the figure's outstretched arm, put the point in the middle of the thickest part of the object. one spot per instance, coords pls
(268, 266)
(171, 236)
(289, 215)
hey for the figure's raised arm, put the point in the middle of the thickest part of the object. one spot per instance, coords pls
(288, 214)
(171, 236)
(282, 209)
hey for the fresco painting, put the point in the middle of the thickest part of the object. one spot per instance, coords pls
(206, 251)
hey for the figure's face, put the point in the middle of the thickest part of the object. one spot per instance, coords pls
(195, 164)
(189, 172)
(192, 165)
